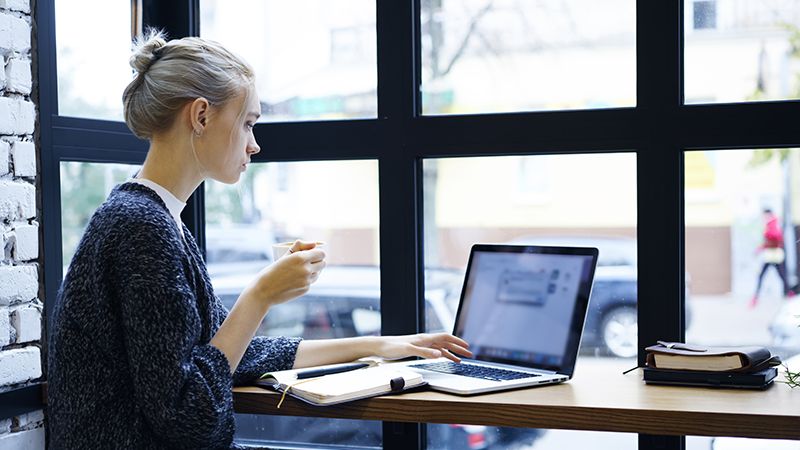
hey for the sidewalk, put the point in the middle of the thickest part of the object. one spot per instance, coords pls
(727, 320)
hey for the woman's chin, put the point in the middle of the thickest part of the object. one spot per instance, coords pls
(228, 178)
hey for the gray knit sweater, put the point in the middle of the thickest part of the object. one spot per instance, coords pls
(129, 359)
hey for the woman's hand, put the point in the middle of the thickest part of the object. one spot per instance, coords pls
(289, 277)
(330, 351)
(425, 345)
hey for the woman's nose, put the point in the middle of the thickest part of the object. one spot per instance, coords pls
(253, 148)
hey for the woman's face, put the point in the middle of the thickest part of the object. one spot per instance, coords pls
(227, 141)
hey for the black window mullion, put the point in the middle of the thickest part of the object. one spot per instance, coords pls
(321, 140)
(660, 178)
(740, 125)
(400, 218)
(90, 133)
(46, 97)
(400, 273)
(525, 132)
(179, 18)
(20, 401)
(659, 35)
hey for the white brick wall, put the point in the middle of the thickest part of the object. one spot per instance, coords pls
(5, 327)
(16, 5)
(17, 116)
(18, 283)
(27, 421)
(23, 154)
(18, 200)
(19, 365)
(15, 34)
(23, 440)
(26, 241)
(18, 76)
(20, 308)
(5, 426)
(4, 152)
(26, 320)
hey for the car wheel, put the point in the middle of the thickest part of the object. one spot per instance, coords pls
(619, 332)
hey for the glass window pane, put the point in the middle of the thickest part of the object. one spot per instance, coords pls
(93, 67)
(278, 202)
(479, 437)
(485, 56)
(731, 443)
(743, 261)
(314, 59)
(542, 200)
(741, 50)
(84, 187)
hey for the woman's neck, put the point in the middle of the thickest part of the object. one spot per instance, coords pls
(171, 164)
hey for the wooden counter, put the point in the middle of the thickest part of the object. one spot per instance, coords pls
(601, 400)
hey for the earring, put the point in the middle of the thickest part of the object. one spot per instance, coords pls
(197, 132)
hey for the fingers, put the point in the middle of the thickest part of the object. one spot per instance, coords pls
(446, 337)
(301, 245)
(450, 346)
(313, 255)
(455, 348)
(450, 356)
(424, 352)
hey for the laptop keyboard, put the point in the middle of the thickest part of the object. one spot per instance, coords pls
(474, 371)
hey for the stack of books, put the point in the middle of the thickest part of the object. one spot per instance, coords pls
(678, 363)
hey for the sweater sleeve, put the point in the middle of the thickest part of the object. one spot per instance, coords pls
(264, 354)
(181, 385)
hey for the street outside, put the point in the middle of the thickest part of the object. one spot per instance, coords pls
(727, 320)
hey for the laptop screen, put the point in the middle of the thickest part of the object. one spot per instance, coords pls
(526, 305)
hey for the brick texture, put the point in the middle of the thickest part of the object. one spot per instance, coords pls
(20, 307)
(23, 440)
(19, 365)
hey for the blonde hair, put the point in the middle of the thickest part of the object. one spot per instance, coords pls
(171, 73)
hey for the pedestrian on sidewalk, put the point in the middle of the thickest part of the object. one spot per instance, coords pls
(772, 253)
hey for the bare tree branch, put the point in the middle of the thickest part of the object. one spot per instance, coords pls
(473, 25)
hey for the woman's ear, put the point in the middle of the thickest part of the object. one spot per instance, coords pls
(198, 115)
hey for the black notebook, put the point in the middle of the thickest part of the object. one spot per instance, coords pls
(761, 379)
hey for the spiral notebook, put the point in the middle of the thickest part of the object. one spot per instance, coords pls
(342, 387)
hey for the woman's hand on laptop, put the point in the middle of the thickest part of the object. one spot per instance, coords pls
(425, 345)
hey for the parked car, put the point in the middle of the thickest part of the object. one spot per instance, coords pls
(611, 321)
(785, 327)
(237, 250)
(345, 302)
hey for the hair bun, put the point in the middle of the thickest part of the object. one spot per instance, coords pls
(146, 50)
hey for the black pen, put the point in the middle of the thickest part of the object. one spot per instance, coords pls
(311, 373)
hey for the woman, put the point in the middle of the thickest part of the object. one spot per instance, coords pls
(773, 255)
(142, 354)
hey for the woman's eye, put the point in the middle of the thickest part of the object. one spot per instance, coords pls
(249, 126)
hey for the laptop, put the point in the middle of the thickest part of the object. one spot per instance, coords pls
(522, 311)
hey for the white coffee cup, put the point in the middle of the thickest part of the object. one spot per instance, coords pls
(281, 248)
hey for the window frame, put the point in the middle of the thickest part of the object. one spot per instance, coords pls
(658, 130)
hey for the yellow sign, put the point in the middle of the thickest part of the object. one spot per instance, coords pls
(699, 171)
